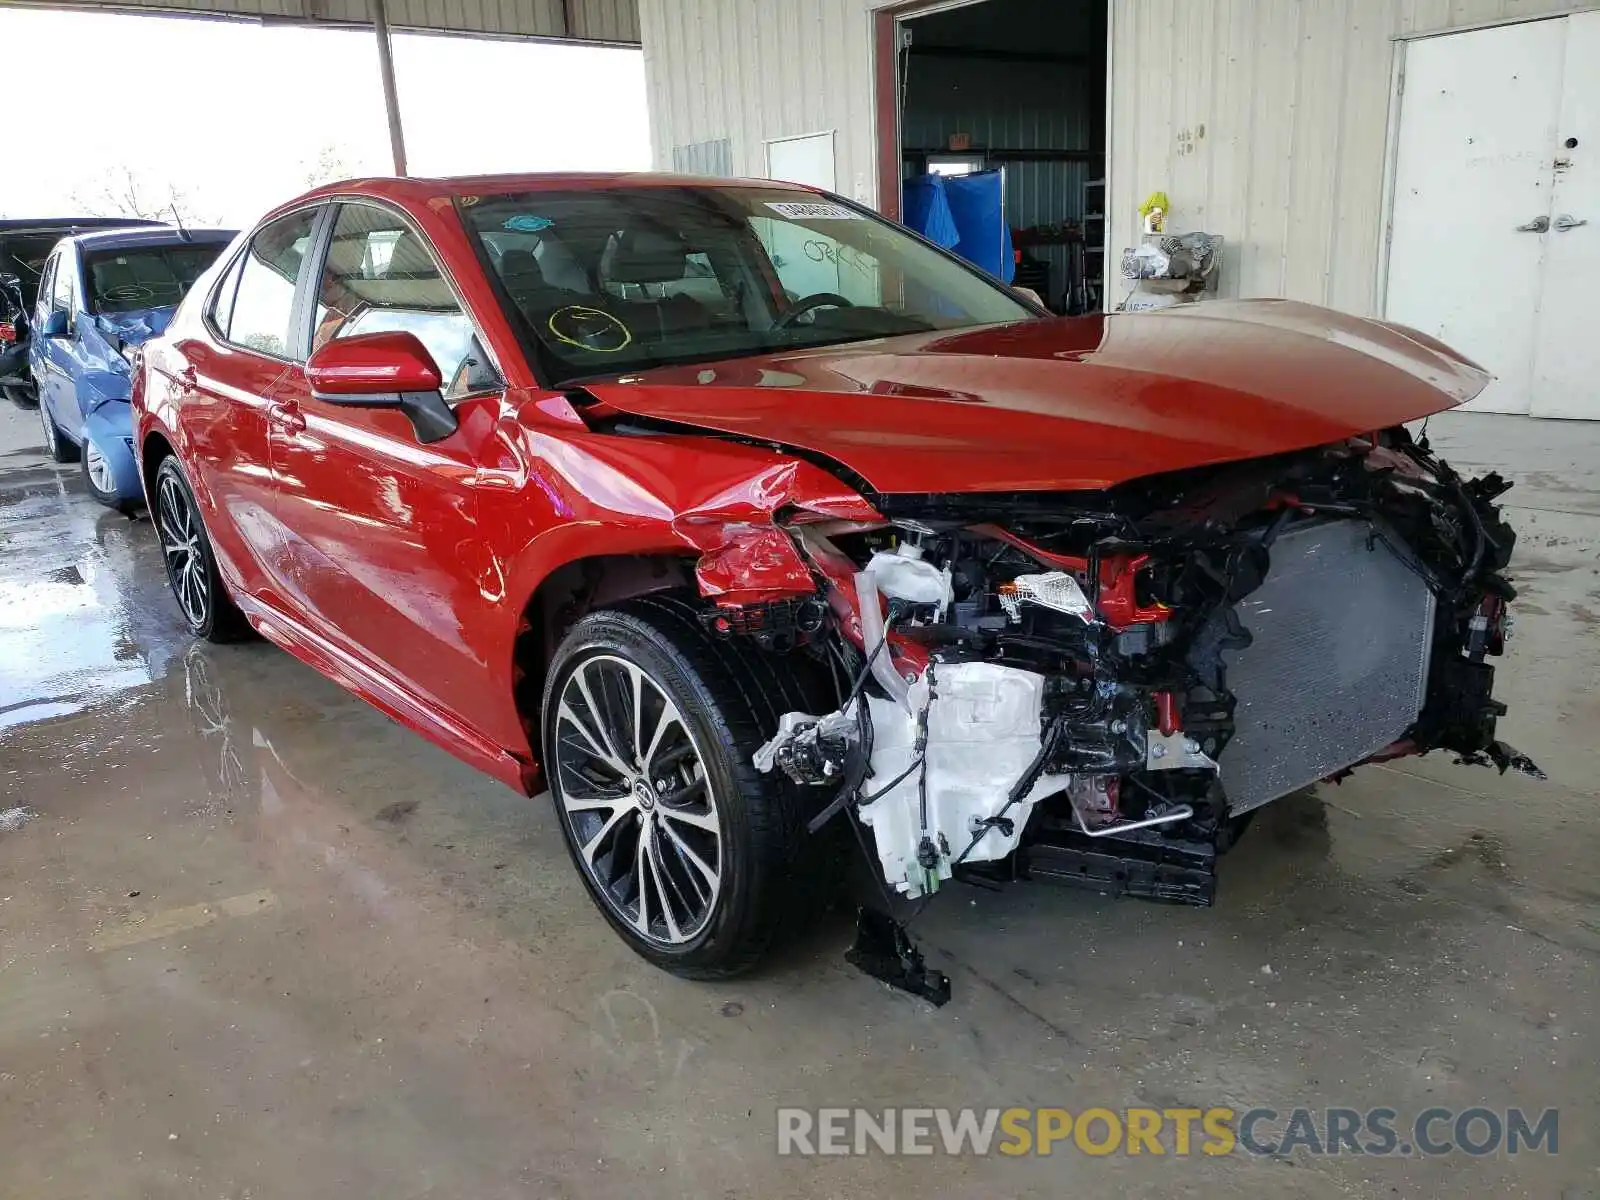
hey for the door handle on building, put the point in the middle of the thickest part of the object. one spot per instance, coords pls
(1537, 225)
(1564, 222)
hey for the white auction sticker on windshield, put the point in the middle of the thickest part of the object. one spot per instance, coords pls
(812, 211)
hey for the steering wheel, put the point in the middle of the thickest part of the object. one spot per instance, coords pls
(801, 307)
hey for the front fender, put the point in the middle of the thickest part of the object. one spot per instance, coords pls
(718, 504)
(110, 428)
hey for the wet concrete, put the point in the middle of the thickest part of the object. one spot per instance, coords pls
(258, 941)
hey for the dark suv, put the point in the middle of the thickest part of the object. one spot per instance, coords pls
(25, 243)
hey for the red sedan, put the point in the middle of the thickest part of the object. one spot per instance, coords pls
(738, 516)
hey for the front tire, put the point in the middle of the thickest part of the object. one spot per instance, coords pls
(701, 863)
(202, 597)
(99, 480)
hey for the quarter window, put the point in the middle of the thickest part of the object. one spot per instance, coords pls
(222, 298)
(264, 304)
(381, 278)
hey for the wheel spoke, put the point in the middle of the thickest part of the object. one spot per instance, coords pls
(652, 855)
(688, 855)
(669, 717)
(705, 820)
(197, 590)
(592, 846)
(590, 803)
(641, 919)
(597, 748)
(637, 677)
(581, 678)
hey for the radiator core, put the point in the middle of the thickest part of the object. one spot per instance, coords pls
(1338, 663)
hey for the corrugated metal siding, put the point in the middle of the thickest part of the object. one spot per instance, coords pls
(755, 70)
(592, 20)
(1043, 107)
(1263, 120)
(1267, 121)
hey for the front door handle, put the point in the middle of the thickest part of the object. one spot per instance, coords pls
(287, 417)
(1564, 222)
(1537, 225)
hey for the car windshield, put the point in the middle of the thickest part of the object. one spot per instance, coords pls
(620, 279)
(138, 277)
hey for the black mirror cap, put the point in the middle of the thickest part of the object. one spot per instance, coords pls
(432, 420)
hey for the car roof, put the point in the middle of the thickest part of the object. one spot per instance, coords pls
(62, 226)
(417, 189)
(162, 235)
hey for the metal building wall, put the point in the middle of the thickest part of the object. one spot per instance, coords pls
(754, 70)
(592, 20)
(1267, 121)
(1264, 120)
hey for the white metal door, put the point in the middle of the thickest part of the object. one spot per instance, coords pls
(801, 260)
(1566, 359)
(1478, 126)
(807, 160)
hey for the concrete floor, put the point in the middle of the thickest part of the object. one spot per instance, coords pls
(257, 941)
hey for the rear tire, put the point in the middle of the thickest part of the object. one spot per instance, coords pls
(21, 395)
(55, 444)
(202, 597)
(705, 875)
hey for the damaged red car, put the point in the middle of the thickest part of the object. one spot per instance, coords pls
(739, 517)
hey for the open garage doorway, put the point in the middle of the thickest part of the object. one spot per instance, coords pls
(1010, 94)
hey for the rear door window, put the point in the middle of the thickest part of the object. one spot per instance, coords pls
(264, 305)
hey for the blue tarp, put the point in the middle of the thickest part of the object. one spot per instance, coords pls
(925, 208)
(970, 207)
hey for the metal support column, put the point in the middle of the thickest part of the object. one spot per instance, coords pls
(391, 99)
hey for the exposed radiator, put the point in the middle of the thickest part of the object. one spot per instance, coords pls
(1338, 665)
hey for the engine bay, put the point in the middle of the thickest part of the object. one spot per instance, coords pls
(1101, 687)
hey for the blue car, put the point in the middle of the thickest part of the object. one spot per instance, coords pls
(102, 296)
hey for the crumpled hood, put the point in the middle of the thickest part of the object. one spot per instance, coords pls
(1081, 403)
(136, 327)
(104, 376)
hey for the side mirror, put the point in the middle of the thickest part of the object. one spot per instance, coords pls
(384, 370)
(55, 325)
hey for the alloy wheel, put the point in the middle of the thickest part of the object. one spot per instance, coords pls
(631, 785)
(179, 530)
(99, 467)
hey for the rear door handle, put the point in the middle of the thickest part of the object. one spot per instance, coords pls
(1564, 222)
(1537, 225)
(287, 417)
